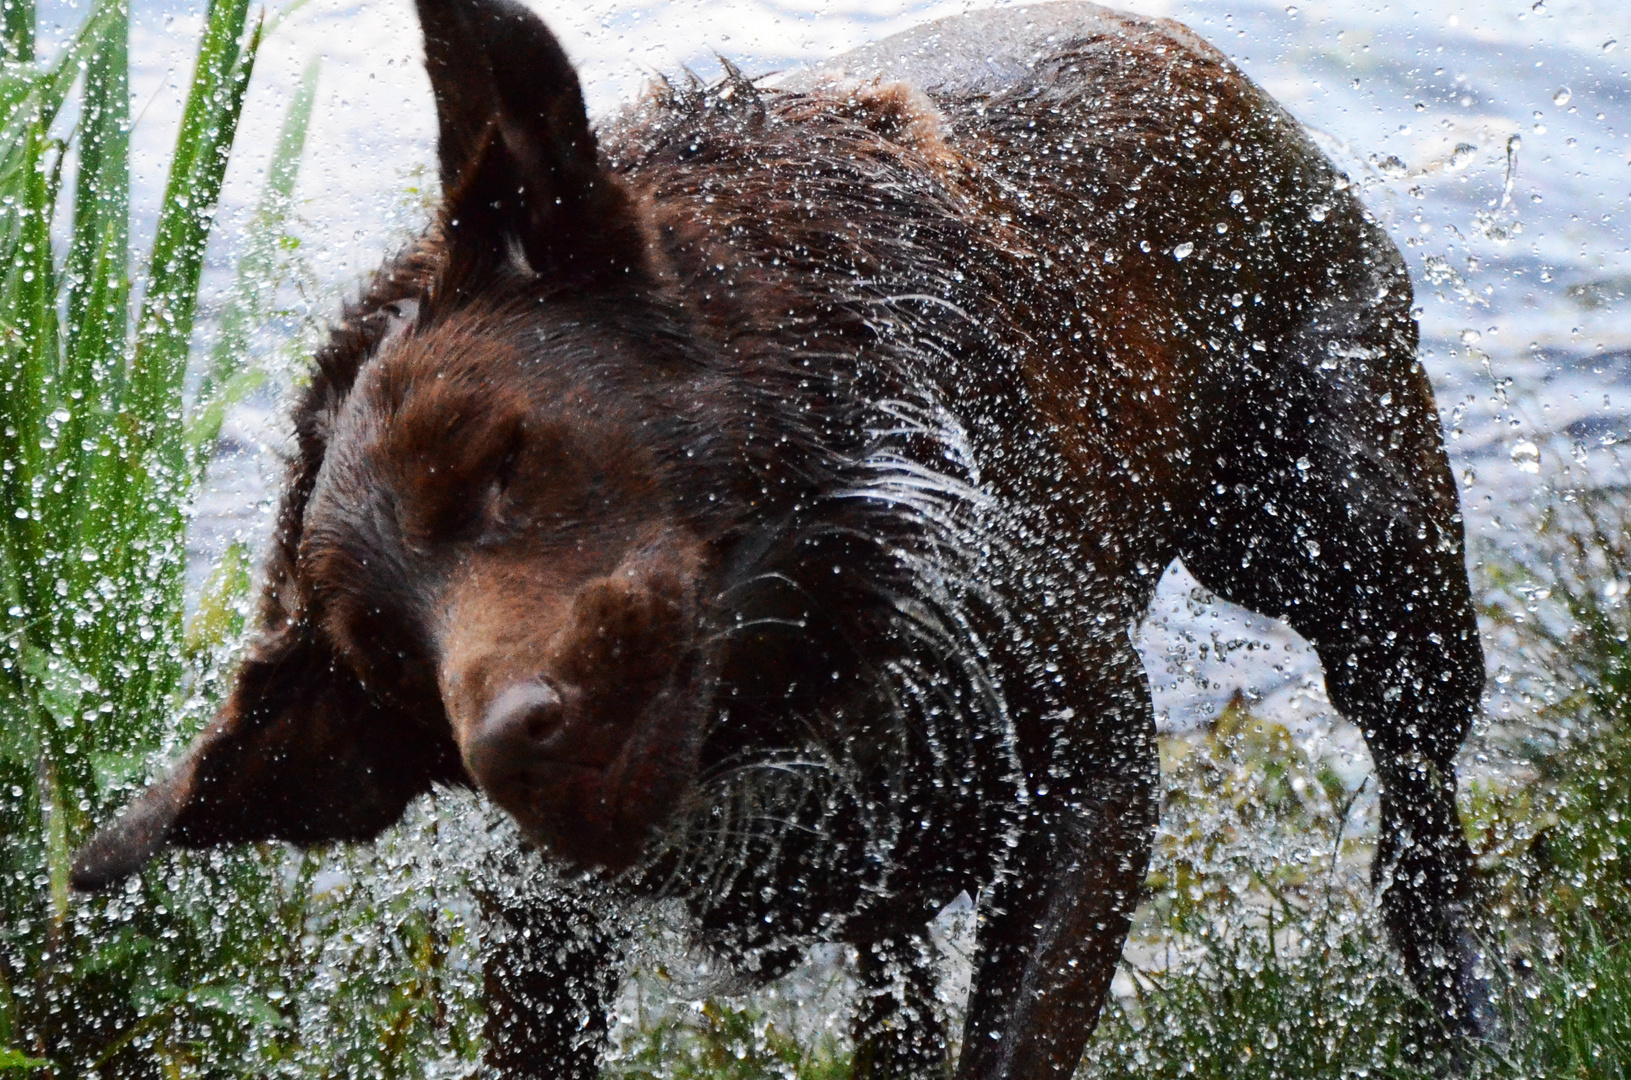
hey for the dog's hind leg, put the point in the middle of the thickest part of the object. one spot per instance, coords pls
(549, 972)
(1333, 506)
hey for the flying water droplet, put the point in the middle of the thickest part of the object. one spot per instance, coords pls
(1526, 456)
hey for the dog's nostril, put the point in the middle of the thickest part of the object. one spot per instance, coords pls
(514, 726)
(529, 711)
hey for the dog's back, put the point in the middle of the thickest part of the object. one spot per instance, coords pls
(1093, 210)
(987, 52)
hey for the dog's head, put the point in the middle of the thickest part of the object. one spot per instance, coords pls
(493, 572)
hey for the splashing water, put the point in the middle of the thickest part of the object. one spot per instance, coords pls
(1502, 185)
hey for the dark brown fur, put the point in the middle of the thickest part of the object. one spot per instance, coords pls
(755, 504)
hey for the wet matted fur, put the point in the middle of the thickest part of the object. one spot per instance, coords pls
(754, 501)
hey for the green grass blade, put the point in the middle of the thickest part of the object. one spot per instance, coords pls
(101, 231)
(165, 326)
(28, 342)
(258, 274)
(15, 1059)
(29, 335)
(151, 479)
(17, 30)
(29, 95)
(97, 281)
(219, 619)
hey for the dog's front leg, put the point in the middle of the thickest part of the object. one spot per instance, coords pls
(550, 968)
(899, 1033)
(1052, 929)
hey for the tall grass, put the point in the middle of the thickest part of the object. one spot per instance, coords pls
(1259, 951)
(263, 962)
(92, 478)
(93, 484)
(1564, 599)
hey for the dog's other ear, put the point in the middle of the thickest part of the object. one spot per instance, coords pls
(520, 167)
(299, 752)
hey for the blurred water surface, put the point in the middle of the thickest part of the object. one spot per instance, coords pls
(1493, 139)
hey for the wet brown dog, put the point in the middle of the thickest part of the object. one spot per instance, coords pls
(754, 502)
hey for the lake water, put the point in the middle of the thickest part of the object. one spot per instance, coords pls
(1493, 139)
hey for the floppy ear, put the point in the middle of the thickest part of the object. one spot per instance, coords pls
(520, 168)
(300, 752)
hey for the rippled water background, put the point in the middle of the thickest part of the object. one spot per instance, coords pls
(1491, 138)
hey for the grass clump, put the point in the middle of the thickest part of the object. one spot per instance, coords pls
(1579, 1016)
(92, 482)
(1259, 951)
(715, 1040)
(1564, 883)
(1564, 601)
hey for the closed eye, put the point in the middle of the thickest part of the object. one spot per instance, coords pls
(461, 491)
(497, 508)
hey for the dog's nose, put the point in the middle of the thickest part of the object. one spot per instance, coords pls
(512, 730)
